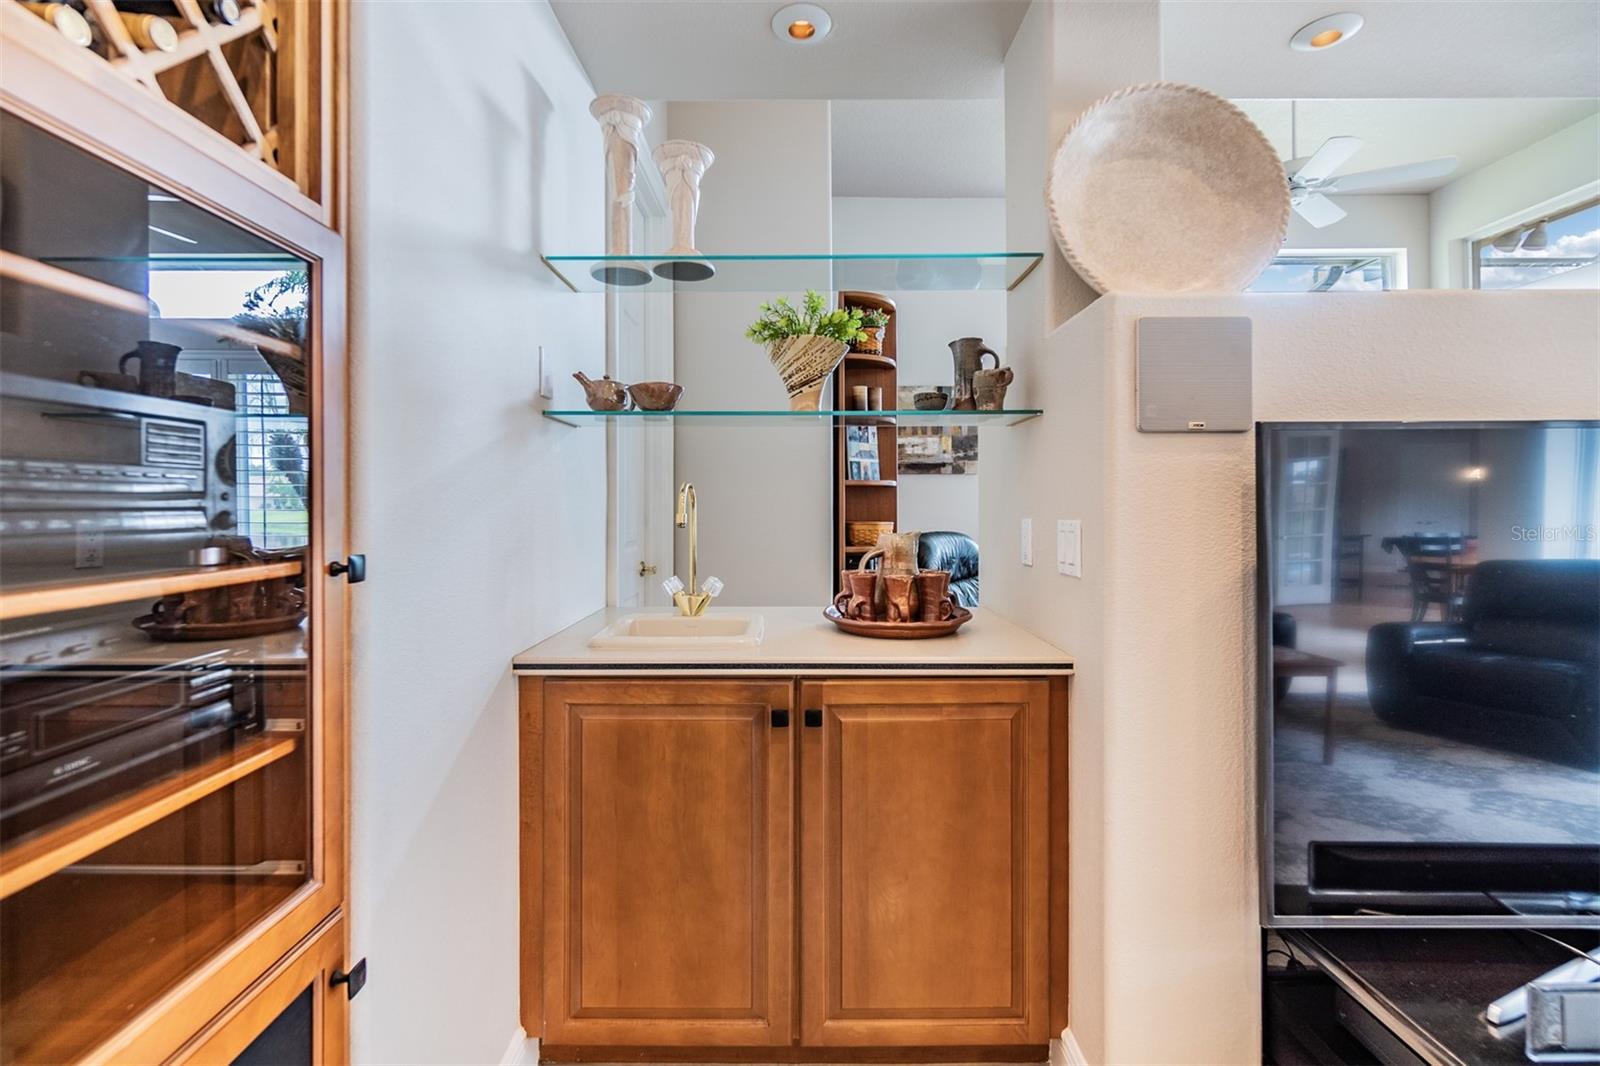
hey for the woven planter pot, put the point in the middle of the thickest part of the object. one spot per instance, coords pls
(804, 363)
(872, 344)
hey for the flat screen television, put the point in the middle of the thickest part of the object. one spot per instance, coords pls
(1429, 652)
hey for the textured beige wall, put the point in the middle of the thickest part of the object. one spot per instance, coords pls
(1165, 920)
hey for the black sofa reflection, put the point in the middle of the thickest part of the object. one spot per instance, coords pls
(957, 553)
(1520, 671)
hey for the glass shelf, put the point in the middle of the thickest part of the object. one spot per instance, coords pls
(794, 273)
(1009, 417)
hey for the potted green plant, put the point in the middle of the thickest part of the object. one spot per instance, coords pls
(277, 311)
(873, 321)
(805, 343)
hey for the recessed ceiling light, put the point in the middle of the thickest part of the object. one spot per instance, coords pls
(801, 24)
(1326, 32)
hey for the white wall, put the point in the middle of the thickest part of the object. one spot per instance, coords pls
(928, 321)
(1377, 221)
(765, 492)
(483, 523)
(1162, 625)
(1561, 170)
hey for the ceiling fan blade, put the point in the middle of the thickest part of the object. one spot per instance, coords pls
(1334, 153)
(1404, 173)
(1318, 210)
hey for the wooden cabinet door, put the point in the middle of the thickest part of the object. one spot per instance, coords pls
(668, 849)
(924, 915)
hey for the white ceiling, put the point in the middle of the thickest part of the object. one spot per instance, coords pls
(1436, 48)
(1409, 131)
(919, 148)
(725, 49)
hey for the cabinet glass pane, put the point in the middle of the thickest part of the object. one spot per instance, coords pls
(155, 509)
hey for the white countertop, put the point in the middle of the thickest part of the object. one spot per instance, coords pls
(799, 639)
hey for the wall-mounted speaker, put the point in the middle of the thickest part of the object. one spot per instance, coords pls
(1194, 375)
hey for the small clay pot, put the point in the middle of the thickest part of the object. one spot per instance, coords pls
(603, 395)
(900, 595)
(933, 592)
(930, 401)
(655, 395)
(863, 583)
(990, 387)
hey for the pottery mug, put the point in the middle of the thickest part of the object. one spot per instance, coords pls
(933, 591)
(841, 602)
(863, 584)
(990, 386)
(900, 596)
(858, 397)
(158, 367)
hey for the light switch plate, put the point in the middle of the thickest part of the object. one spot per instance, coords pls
(1069, 547)
(1027, 542)
(547, 379)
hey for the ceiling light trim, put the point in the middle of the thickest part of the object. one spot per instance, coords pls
(1327, 32)
(802, 24)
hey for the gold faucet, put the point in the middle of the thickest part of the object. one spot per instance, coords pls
(691, 602)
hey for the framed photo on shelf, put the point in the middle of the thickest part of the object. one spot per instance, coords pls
(861, 453)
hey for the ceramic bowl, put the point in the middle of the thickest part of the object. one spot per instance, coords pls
(930, 401)
(655, 395)
(1166, 188)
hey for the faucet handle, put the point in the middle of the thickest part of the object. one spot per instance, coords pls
(712, 586)
(673, 585)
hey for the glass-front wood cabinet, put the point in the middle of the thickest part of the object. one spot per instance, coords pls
(172, 486)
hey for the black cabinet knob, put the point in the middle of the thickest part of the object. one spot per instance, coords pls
(813, 718)
(780, 717)
(355, 567)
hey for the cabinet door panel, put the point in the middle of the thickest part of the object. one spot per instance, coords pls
(668, 903)
(924, 914)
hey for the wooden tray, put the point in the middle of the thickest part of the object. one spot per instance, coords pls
(254, 627)
(899, 630)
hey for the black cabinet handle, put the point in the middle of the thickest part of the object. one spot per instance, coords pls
(780, 717)
(355, 567)
(353, 982)
(813, 718)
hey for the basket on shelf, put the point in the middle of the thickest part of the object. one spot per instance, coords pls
(865, 534)
(873, 323)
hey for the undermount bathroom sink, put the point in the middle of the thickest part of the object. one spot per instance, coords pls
(676, 631)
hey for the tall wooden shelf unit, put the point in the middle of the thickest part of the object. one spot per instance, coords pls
(865, 500)
(175, 916)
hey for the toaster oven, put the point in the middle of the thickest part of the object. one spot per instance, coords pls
(104, 482)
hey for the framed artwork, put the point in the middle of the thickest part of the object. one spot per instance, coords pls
(929, 449)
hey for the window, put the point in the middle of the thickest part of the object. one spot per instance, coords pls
(1341, 270)
(273, 462)
(1551, 252)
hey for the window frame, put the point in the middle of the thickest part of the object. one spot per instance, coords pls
(1528, 218)
(1396, 273)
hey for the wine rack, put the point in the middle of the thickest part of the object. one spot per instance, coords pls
(259, 78)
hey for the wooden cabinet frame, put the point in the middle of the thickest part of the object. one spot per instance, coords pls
(94, 108)
(312, 964)
(1022, 1033)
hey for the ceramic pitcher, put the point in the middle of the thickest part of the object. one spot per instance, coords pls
(968, 353)
(896, 554)
(991, 385)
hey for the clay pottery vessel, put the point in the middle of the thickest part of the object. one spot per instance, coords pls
(863, 589)
(935, 400)
(655, 395)
(900, 597)
(933, 595)
(968, 353)
(804, 363)
(841, 602)
(990, 387)
(158, 367)
(603, 395)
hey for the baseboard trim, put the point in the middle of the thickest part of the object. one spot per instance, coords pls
(1066, 1052)
(521, 1050)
